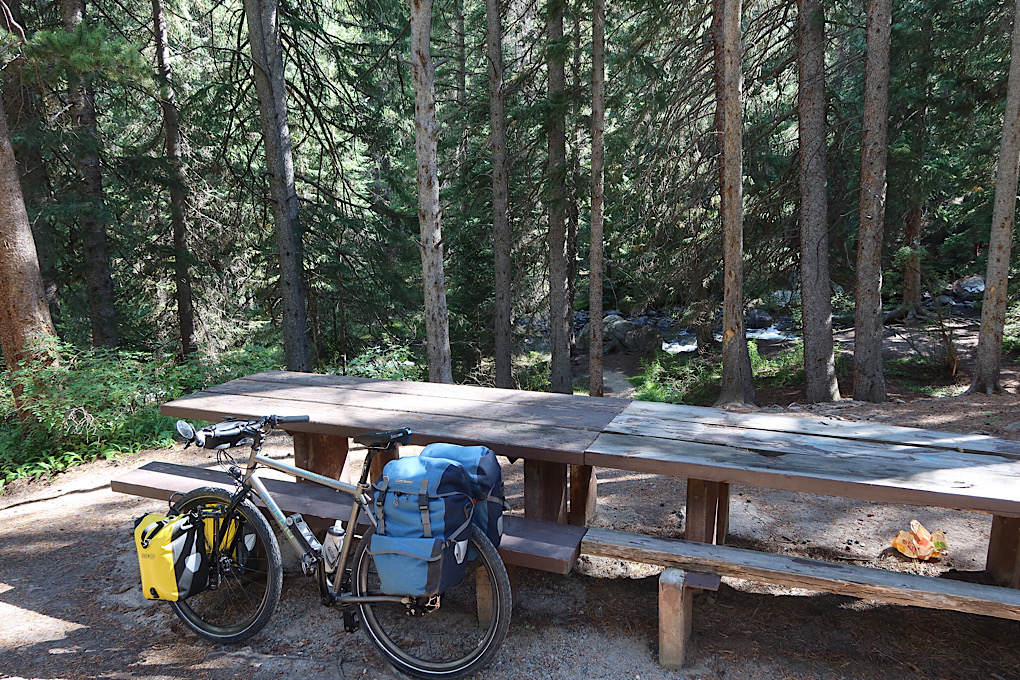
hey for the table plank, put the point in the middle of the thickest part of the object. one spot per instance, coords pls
(492, 394)
(450, 403)
(634, 422)
(525, 440)
(825, 427)
(975, 482)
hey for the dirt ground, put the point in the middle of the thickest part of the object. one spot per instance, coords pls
(71, 607)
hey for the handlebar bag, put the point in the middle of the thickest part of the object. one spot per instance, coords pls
(171, 556)
(424, 509)
(486, 484)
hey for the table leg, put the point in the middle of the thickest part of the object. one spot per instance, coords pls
(583, 494)
(378, 463)
(545, 490)
(1004, 551)
(707, 511)
(322, 453)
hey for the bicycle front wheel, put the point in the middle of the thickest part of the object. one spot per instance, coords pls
(457, 638)
(246, 579)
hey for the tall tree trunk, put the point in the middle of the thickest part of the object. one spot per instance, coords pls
(574, 162)
(502, 236)
(23, 115)
(912, 265)
(178, 197)
(25, 322)
(993, 310)
(737, 385)
(98, 277)
(598, 167)
(270, 83)
(430, 215)
(816, 291)
(869, 382)
(559, 312)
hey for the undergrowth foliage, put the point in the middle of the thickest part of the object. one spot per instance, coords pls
(102, 403)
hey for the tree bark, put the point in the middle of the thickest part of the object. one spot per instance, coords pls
(912, 266)
(430, 215)
(816, 291)
(993, 309)
(869, 381)
(25, 323)
(23, 115)
(559, 312)
(598, 166)
(178, 196)
(737, 384)
(98, 277)
(502, 235)
(270, 83)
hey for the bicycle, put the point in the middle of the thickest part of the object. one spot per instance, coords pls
(447, 636)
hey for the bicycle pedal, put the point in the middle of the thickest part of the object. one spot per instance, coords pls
(351, 622)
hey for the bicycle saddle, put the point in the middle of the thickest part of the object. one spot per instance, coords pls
(384, 440)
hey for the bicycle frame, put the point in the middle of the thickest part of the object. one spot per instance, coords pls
(358, 492)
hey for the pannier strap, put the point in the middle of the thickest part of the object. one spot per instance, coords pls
(380, 501)
(156, 527)
(423, 507)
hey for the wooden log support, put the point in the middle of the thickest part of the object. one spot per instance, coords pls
(708, 511)
(676, 612)
(545, 491)
(322, 453)
(722, 514)
(1004, 551)
(583, 494)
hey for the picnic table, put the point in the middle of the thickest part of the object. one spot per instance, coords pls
(563, 437)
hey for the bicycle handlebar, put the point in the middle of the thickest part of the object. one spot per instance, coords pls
(234, 432)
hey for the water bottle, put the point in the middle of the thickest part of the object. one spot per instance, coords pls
(332, 545)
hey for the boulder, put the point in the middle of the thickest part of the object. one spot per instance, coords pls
(614, 332)
(758, 318)
(968, 288)
(642, 339)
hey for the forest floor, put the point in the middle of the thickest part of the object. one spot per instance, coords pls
(70, 605)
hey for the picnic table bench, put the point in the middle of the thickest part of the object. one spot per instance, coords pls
(563, 437)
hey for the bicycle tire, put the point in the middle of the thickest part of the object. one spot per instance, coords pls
(249, 578)
(454, 634)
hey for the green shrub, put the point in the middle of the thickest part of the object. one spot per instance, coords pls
(680, 379)
(102, 403)
(388, 362)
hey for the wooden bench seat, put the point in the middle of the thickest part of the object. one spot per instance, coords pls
(531, 543)
(675, 610)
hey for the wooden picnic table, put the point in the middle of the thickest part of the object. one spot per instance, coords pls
(869, 461)
(549, 431)
(563, 437)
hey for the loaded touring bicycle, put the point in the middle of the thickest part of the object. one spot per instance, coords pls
(422, 574)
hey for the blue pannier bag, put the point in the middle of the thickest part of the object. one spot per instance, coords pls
(424, 508)
(486, 484)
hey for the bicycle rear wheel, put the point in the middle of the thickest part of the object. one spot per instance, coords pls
(245, 582)
(456, 639)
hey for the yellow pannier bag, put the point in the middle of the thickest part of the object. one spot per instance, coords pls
(171, 556)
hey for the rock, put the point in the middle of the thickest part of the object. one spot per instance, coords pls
(968, 288)
(946, 300)
(642, 339)
(758, 318)
(614, 329)
(1012, 427)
